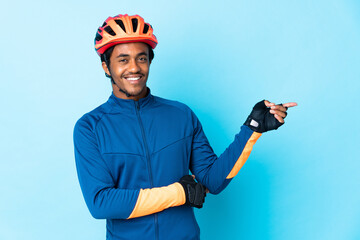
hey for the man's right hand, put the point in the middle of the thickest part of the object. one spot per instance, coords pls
(194, 192)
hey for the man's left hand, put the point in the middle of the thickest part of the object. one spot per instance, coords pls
(279, 111)
(267, 116)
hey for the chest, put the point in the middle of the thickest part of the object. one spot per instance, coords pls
(146, 148)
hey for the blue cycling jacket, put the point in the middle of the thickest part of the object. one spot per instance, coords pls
(130, 156)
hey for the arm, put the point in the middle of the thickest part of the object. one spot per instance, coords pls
(216, 172)
(103, 199)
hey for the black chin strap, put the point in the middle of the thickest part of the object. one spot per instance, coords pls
(112, 80)
(126, 93)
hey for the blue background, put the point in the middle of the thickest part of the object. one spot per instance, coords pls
(219, 57)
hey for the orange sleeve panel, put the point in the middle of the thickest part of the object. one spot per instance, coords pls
(153, 200)
(244, 155)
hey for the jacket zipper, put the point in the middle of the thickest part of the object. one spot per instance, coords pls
(137, 107)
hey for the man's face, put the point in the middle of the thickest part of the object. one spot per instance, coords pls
(129, 68)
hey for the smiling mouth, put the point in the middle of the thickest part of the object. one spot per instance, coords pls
(133, 79)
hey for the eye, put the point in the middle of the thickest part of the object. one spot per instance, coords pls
(122, 60)
(143, 59)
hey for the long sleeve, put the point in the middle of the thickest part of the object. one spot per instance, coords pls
(103, 199)
(217, 172)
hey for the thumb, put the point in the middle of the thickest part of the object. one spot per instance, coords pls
(268, 104)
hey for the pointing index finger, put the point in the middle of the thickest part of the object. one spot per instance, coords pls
(290, 104)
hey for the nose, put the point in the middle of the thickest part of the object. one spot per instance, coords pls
(134, 67)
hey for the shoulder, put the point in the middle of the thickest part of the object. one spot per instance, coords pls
(178, 110)
(173, 104)
(90, 120)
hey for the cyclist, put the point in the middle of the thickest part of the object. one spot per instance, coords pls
(134, 152)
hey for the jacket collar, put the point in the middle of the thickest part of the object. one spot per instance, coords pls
(129, 104)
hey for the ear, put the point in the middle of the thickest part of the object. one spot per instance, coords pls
(106, 70)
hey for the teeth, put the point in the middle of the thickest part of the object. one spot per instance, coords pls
(133, 79)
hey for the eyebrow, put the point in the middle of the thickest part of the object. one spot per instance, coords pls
(127, 55)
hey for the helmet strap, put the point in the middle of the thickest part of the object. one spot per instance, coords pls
(126, 93)
(112, 80)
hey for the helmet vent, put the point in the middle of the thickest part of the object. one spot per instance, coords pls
(134, 22)
(146, 28)
(110, 31)
(98, 37)
(104, 24)
(121, 24)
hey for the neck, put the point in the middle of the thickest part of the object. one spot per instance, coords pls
(120, 93)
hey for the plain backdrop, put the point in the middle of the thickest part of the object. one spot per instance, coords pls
(220, 58)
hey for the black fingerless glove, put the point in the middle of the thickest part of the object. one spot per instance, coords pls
(195, 192)
(261, 120)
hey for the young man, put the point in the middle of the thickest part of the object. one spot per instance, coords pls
(134, 152)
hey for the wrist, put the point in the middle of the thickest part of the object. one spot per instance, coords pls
(181, 196)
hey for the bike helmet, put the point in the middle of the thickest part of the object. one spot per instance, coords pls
(123, 29)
